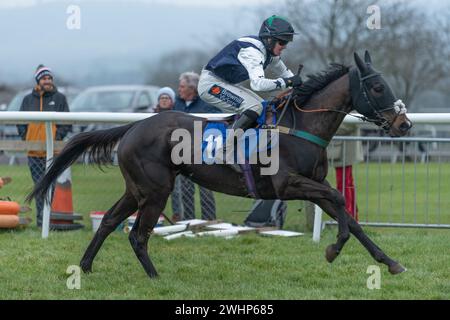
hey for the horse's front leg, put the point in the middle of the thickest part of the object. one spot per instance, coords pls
(358, 232)
(302, 188)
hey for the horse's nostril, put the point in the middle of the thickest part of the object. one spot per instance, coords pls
(405, 126)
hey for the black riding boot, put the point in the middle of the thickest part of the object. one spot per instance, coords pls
(245, 121)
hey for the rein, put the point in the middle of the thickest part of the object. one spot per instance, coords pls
(328, 110)
(356, 82)
(300, 67)
(303, 134)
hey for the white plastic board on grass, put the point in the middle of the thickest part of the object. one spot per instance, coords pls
(219, 233)
(281, 233)
(192, 222)
(226, 226)
(179, 235)
(169, 229)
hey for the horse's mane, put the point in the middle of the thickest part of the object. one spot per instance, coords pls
(319, 81)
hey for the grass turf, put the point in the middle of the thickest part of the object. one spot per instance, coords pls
(246, 267)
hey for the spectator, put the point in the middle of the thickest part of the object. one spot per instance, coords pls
(44, 97)
(343, 161)
(166, 100)
(189, 101)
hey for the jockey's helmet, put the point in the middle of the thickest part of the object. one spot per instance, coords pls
(277, 27)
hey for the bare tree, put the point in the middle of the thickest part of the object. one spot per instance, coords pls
(169, 67)
(412, 48)
(329, 30)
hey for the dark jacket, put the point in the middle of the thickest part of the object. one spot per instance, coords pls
(43, 101)
(196, 106)
(158, 109)
(226, 64)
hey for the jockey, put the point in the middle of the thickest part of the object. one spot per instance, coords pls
(243, 59)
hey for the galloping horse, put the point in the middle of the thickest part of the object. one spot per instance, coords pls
(144, 156)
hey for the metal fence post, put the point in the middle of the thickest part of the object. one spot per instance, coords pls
(317, 223)
(49, 152)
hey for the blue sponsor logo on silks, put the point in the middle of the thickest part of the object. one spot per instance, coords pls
(226, 96)
(214, 138)
(212, 143)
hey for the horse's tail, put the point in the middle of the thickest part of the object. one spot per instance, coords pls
(100, 145)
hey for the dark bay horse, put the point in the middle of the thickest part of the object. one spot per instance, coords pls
(144, 155)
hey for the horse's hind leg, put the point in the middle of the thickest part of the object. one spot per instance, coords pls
(299, 187)
(148, 215)
(121, 210)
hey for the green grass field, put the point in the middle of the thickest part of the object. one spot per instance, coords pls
(245, 267)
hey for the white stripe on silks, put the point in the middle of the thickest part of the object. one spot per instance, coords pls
(255, 42)
(42, 70)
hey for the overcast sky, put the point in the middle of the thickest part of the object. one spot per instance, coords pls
(214, 3)
(117, 37)
(202, 3)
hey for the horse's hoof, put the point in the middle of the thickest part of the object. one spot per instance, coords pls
(331, 253)
(396, 269)
(86, 267)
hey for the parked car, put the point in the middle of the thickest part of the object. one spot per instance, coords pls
(119, 98)
(116, 98)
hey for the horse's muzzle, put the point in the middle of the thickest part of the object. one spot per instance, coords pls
(400, 126)
(405, 126)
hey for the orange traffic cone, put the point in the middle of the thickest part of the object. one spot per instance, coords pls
(62, 216)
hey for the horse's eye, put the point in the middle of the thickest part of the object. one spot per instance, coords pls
(378, 88)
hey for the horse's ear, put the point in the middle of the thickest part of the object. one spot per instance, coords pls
(367, 58)
(359, 63)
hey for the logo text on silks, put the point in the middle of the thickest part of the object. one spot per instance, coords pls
(254, 146)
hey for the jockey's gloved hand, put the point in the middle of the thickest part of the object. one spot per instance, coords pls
(294, 81)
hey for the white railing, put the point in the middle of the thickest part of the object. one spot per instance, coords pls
(105, 117)
(71, 118)
(16, 117)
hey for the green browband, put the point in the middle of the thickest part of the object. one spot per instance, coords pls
(304, 135)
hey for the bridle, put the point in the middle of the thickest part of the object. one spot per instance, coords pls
(358, 89)
(375, 114)
(379, 120)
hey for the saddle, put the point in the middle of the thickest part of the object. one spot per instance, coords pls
(267, 120)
